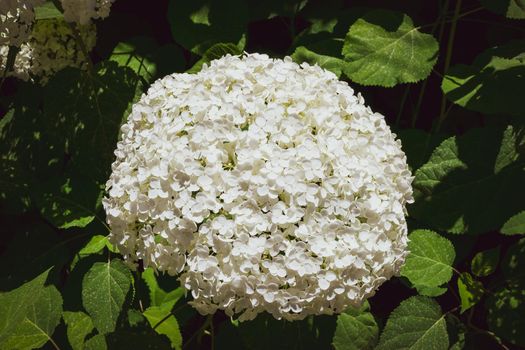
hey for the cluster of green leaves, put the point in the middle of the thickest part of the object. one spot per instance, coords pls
(65, 286)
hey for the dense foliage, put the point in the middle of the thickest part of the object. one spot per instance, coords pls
(448, 75)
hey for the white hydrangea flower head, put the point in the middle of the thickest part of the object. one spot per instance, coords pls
(84, 11)
(51, 48)
(16, 19)
(267, 185)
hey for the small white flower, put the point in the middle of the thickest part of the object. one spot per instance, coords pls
(273, 187)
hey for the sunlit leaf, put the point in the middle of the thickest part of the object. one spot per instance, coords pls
(385, 48)
(417, 324)
(104, 290)
(514, 9)
(494, 83)
(515, 225)
(356, 330)
(169, 326)
(470, 291)
(429, 263)
(79, 325)
(333, 64)
(29, 315)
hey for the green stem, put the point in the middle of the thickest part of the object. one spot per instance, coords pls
(441, 22)
(206, 324)
(402, 106)
(484, 331)
(448, 57)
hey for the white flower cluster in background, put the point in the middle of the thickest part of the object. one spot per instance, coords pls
(16, 19)
(83, 11)
(51, 47)
(267, 185)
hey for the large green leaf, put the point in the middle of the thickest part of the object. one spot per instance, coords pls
(506, 305)
(29, 315)
(468, 185)
(79, 325)
(429, 263)
(514, 9)
(515, 225)
(356, 330)
(384, 48)
(41, 318)
(197, 25)
(494, 83)
(137, 53)
(104, 290)
(158, 296)
(317, 54)
(484, 263)
(418, 145)
(15, 304)
(416, 324)
(168, 327)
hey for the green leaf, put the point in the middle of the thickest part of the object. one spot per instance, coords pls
(78, 222)
(384, 48)
(157, 295)
(104, 290)
(96, 342)
(356, 330)
(198, 25)
(134, 54)
(79, 325)
(470, 291)
(485, 262)
(57, 148)
(418, 145)
(95, 245)
(41, 318)
(15, 304)
(515, 225)
(506, 306)
(429, 262)
(514, 9)
(468, 185)
(493, 83)
(47, 11)
(416, 324)
(213, 53)
(333, 64)
(169, 327)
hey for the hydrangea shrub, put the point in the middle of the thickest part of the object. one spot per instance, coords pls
(207, 175)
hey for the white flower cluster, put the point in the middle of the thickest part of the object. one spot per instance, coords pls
(267, 185)
(83, 11)
(51, 47)
(16, 19)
